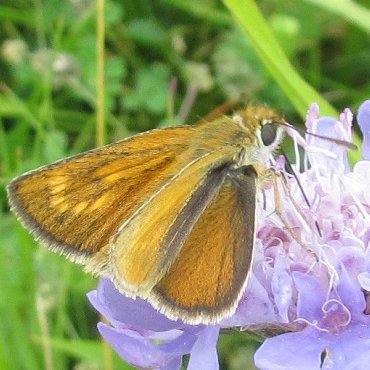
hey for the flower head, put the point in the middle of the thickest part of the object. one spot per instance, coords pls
(309, 288)
(329, 299)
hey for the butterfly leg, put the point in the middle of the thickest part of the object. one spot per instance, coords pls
(278, 209)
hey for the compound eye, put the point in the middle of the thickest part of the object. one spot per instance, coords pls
(268, 133)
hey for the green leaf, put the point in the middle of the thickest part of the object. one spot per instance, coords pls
(255, 27)
(287, 30)
(90, 351)
(55, 146)
(147, 31)
(202, 10)
(358, 15)
(232, 55)
(151, 89)
(114, 13)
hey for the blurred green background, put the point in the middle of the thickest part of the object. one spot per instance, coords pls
(166, 62)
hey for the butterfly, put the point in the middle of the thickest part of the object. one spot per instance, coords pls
(169, 215)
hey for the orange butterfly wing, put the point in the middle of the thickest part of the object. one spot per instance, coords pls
(208, 276)
(147, 244)
(75, 205)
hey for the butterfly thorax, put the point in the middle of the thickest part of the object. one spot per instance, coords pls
(255, 132)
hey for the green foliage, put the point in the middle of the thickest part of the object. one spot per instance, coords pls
(48, 63)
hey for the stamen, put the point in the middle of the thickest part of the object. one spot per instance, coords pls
(290, 168)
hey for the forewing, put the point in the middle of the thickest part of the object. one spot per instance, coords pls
(75, 205)
(207, 278)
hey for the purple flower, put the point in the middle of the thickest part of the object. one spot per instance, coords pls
(137, 326)
(330, 294)
(363, 121)
(309, 290)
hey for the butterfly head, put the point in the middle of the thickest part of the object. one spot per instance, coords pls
(265, 128)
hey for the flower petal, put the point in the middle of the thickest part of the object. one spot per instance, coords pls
(351, 294)
(204, 353)
(291, 351)
(328, 127)
(311, 297)
(349, 350)
(136, 349)
(255, 307)
(282, 291)
(363, 119)
(312, 349)
(134, 312)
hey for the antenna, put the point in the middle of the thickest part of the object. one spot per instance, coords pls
(346, 144)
